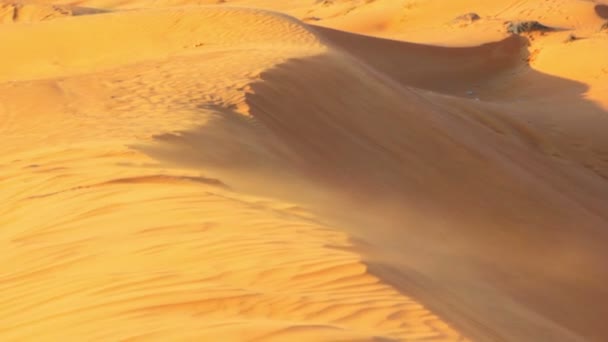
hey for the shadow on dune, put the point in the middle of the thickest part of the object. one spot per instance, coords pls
(471, 219)
(498, 72)
(490, 232)
(78, 10)
(602, 11)
(428, 67)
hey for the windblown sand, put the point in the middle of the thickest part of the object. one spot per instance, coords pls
(303, 170)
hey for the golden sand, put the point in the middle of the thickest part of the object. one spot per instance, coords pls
(264, 170)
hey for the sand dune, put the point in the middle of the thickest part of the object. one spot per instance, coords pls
(302, 170)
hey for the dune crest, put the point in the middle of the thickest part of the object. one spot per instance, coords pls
(145, 35)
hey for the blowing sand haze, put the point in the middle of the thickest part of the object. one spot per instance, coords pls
(303, 170)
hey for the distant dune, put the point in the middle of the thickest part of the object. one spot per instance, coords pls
(346, 170)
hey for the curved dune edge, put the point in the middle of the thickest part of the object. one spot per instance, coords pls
(411, 217)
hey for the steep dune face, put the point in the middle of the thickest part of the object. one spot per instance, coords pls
(524, 102)
(456, 206)
(427, 67)
(217, 172)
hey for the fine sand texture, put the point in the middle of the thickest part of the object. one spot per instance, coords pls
(303, 170)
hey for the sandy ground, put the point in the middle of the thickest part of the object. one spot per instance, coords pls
(338, 170)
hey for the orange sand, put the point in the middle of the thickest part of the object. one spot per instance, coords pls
(262, 170)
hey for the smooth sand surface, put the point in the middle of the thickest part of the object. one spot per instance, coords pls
(303, 170)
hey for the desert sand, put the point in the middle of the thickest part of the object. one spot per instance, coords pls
(303, 170)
